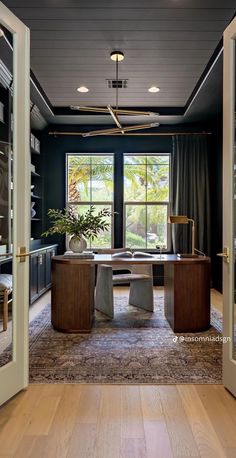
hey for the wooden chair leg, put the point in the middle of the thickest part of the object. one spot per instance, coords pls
(5, 309)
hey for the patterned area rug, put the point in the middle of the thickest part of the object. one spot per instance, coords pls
(135, 347)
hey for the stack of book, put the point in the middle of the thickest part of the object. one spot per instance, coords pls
(83, 255)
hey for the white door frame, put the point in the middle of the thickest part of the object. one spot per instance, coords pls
(229, 364)
(14, 375)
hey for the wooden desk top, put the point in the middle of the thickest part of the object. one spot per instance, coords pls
(109, 260)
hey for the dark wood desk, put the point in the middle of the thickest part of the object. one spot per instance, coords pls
(186, 288)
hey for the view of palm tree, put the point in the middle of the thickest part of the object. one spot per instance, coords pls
(146, 194)
(90, 182)
(146, 198)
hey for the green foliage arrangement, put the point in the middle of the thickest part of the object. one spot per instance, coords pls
(68, 222)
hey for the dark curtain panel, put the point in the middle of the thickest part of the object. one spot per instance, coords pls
(190, 192)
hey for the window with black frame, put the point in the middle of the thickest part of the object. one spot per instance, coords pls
(90, 182)
(146, 200)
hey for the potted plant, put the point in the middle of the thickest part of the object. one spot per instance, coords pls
(78, 226)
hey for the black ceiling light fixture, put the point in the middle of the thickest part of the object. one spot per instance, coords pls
(117, 56)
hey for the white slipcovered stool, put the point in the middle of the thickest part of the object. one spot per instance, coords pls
(141, 287)
(5, 291)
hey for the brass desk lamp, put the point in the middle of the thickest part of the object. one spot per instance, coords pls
(180, 219)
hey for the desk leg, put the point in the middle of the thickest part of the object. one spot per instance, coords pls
(187, 296)
(72, 297)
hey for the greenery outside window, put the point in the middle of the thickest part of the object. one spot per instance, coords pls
(146, 200)
(90, 182)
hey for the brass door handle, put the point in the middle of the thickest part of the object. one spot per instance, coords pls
(21, 255)
(224, 255)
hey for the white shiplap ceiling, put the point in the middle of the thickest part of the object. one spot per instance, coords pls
(166, 43)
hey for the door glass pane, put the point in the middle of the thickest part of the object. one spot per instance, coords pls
(6, 190)
(234, 220)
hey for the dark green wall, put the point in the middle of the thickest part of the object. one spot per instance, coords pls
(216, 202)
(53, 157)
(55, 148)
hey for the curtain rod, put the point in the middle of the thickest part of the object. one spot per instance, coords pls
(132, 134)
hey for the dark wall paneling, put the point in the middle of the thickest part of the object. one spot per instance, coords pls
(54, 150)
(216, 163)
(53, 155)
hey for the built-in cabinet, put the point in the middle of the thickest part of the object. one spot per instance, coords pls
(40, 271)
(40, 259)
(36, 189)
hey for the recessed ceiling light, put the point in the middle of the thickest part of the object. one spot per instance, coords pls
(82, 89)
(154, 89)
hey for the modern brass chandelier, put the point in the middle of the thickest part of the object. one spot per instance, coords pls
(116, 56)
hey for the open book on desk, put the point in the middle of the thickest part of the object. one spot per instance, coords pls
(135, 254)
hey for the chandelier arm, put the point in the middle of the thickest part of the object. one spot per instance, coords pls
(111, 111)
(134, 112)
(93, 109)
(93, 133)
(119, 111)
(140, 126)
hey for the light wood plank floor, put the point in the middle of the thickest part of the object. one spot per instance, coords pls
(92, 421)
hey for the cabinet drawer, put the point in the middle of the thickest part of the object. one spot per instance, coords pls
(49, 254)
(33, 277)
(40, 272)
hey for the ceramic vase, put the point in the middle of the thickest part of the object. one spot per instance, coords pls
(77, 244)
